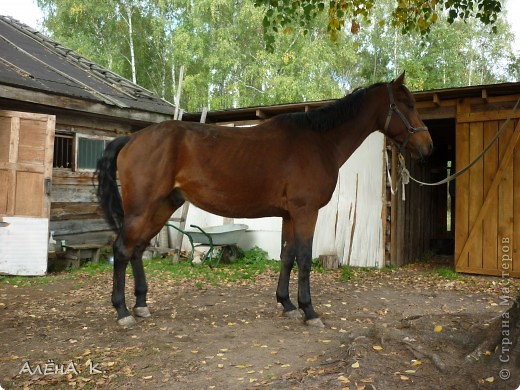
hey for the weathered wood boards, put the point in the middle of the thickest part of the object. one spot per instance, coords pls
(488, 197)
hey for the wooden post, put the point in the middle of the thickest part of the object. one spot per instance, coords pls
(393, 212)
(329, 261)
(180, 236)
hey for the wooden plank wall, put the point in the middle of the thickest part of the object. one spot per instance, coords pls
(487, 236)
(421, 217)
(417, 218)
(75, 215)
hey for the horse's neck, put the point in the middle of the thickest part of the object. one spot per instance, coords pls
(347, 137)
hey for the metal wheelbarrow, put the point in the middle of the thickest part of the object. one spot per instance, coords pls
(223, 238)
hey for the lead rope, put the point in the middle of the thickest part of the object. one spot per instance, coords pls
(404, 174)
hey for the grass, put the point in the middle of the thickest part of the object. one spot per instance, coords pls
(447, 273)
(348, 272)
(247, 267)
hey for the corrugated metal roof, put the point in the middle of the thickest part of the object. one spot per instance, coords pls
(30, 60)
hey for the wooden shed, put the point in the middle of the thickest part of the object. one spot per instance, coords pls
(57, 111)
(473, 222)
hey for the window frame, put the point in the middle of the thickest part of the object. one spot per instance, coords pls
(105, 139)
(65, 134)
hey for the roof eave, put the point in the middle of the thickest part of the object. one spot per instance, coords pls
(90, 107)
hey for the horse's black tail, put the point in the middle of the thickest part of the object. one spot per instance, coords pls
(107, 190)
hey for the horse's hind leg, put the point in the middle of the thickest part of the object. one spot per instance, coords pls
(139, 231)
(141, 287)
(287, 258)
(121, 258)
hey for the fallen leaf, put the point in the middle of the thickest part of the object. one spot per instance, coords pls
(404, 378)
(437, 329)
(416, 362)
(343, 379)
(410, 371)
(377, 347)
(490, 379)
(355, 365)
(148, 377)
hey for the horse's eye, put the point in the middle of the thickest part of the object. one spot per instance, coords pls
(410, 105)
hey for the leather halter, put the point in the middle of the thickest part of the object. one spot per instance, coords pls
(411, 130)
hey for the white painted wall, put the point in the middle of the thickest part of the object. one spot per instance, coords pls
(351, 225)
(23, 246)
(359, 244)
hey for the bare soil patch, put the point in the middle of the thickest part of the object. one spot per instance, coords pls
(408, 329)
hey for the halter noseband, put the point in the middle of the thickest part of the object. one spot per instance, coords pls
(411, 130)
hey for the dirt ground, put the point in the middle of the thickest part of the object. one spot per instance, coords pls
(400, 329)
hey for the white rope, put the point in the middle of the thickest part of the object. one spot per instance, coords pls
(402, 174)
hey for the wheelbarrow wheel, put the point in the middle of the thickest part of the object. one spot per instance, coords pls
(229, 254)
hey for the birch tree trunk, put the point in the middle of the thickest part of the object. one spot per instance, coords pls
(128, 9)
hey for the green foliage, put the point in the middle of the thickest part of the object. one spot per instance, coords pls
(346, 274)
(220, 43)
(247, 267)
(406, 15)
(254, 256)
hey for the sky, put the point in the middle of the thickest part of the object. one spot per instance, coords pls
(28, 12)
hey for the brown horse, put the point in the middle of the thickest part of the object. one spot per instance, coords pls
(285, 167)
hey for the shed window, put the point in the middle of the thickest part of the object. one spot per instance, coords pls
(77, 151)
(89, 150)
(62, 157)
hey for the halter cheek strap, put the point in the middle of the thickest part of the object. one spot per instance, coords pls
(393, 108)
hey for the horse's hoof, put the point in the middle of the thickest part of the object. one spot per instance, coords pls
(142, 311)
(126, 322)
(315, 323)
(295, 314)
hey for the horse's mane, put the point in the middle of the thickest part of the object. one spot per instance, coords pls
(331, 115)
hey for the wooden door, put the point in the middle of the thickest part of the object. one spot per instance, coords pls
(487, 204)
(26, 150)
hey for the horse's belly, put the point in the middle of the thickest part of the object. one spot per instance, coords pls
(235, 203)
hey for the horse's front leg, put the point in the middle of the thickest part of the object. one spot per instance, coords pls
(121, 258)
(141, 287)
(287, 258)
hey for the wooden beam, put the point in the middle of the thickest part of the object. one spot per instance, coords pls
(261, 114)
(484, 95)
(477, 225)
(436, 100)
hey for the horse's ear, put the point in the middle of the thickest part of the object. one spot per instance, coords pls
(400, 79)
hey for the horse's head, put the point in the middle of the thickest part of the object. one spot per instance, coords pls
(402, 123)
